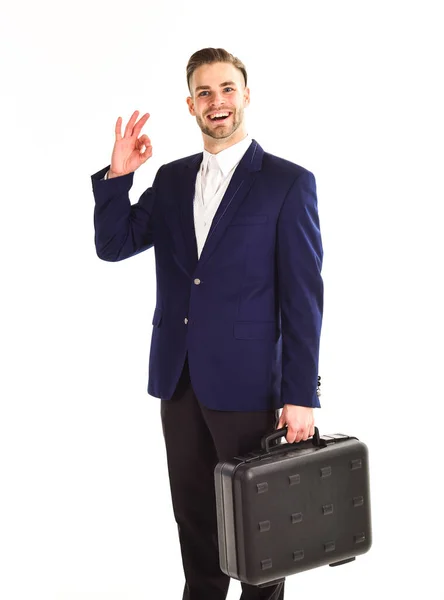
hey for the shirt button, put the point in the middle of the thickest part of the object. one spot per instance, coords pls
(197, 281)
(185, 320)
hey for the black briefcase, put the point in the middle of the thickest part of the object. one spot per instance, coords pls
(291, 507)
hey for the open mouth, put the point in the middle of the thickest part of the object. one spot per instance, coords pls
(219, 117)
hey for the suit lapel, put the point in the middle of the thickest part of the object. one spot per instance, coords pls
(238, 188)
(185, 197)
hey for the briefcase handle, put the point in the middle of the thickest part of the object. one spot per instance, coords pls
(278, 433)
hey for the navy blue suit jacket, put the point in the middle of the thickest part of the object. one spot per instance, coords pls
(249, 310)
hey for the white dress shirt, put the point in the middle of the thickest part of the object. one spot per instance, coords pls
(213, 177)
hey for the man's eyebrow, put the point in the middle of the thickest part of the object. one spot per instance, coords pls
(207, 87)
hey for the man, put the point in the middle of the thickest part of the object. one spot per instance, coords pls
(237, 323)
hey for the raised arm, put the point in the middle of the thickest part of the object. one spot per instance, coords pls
(121, 229)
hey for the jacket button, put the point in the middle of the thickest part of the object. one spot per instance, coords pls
(185, 320)
(197, 281)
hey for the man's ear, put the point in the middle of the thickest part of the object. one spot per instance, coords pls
(246, 96)
(191, 106)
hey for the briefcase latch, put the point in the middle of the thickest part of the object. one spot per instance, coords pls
(327, 440)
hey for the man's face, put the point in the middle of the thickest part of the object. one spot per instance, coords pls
(218, 89)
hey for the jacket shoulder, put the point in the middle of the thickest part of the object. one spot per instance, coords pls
(185, 161)
(282, 166)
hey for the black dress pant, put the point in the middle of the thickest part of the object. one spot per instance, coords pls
(196, 439)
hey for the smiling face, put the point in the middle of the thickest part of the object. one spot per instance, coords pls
(218, 99)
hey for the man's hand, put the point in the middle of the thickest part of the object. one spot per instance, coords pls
(127, 152)
(299, 420)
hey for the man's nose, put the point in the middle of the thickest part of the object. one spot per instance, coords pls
(218, 99)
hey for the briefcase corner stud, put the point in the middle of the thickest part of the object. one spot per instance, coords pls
(342, 562)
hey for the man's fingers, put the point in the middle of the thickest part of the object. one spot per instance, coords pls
(299, 435)
(131, 128)
(118, 129)
(291, 437)
(306, 432)
(138, 126)
(144, 140)
(147, 153)
(130, 124)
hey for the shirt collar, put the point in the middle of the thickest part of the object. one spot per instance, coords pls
(228, 158)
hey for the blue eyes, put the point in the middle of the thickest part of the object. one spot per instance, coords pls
(225, 89)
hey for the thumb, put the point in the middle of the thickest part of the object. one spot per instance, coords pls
(281, 422)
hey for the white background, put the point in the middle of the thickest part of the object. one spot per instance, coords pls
(350, 90)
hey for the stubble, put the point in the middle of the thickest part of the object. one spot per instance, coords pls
(219, 133)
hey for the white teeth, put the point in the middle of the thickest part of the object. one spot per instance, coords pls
(225, 114)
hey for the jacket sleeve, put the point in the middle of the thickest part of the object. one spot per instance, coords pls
(299, 263)
(121, 229)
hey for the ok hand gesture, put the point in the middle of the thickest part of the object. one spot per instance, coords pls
(127, 152)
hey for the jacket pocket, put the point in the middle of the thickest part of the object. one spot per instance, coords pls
(157, 317)
(255, 330)
(249, 220)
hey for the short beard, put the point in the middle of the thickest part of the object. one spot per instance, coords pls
(219, 134)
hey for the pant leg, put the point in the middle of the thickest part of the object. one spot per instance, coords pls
(191, 458)
(236, 433)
